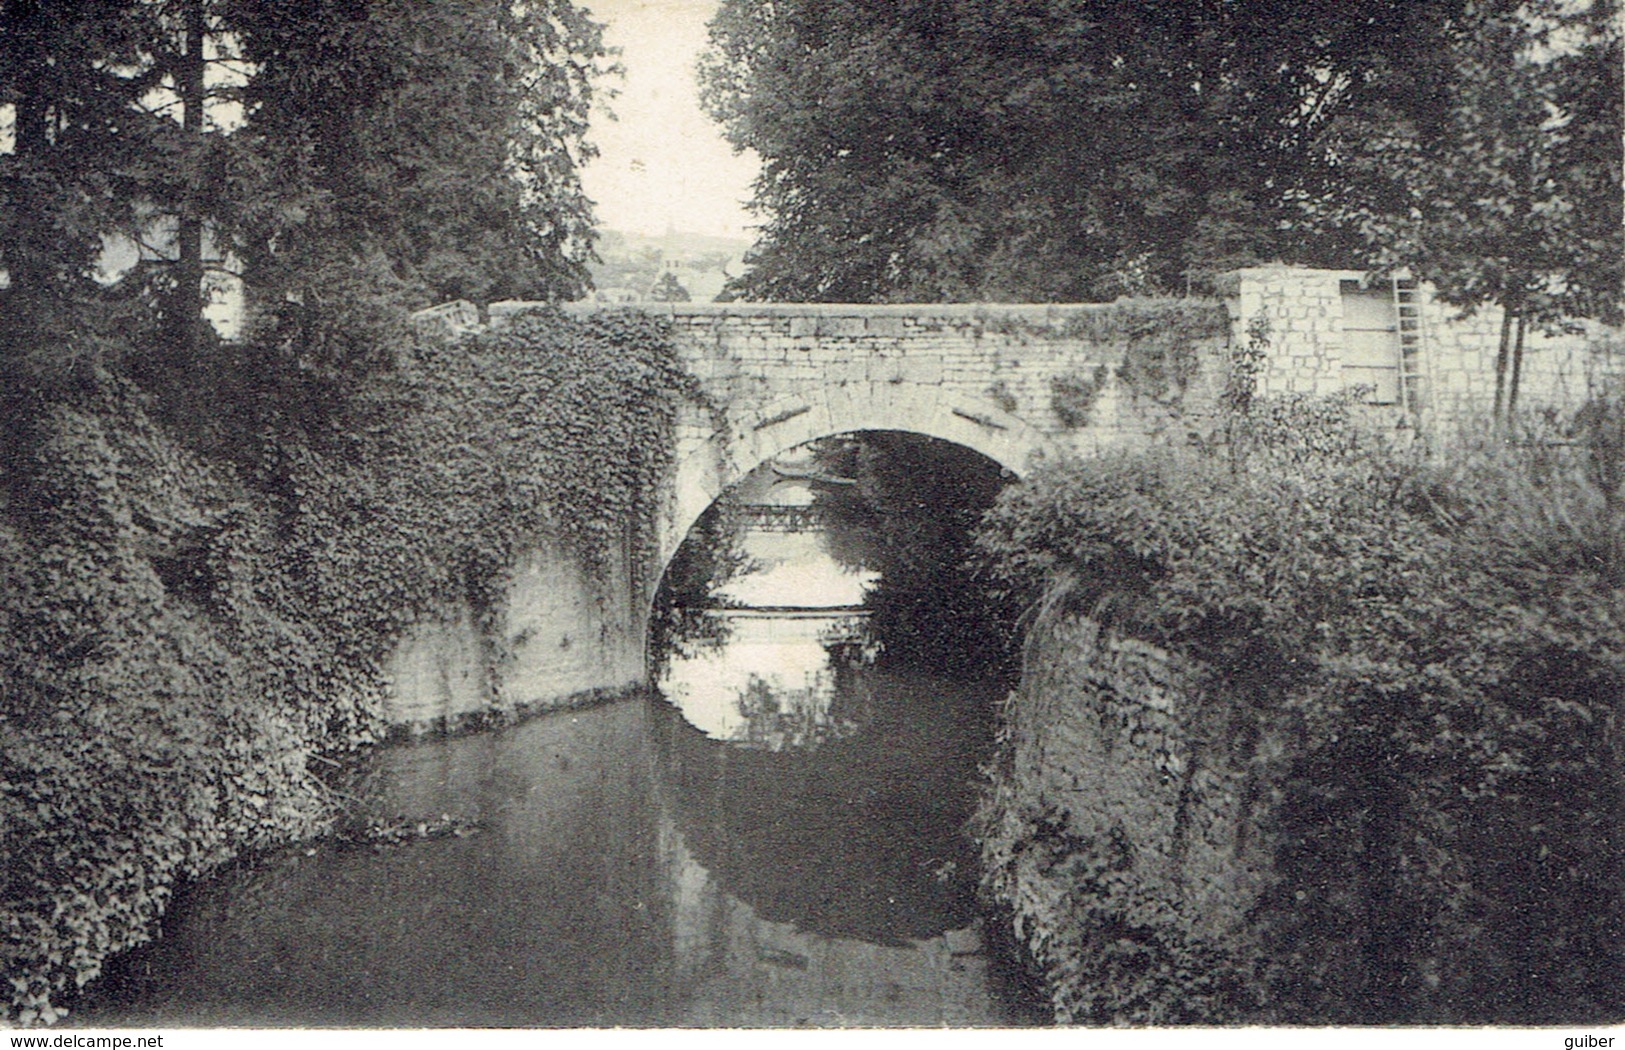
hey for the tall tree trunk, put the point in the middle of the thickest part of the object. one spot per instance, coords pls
(30, 140)
(1501, 362)
(1517, 366)
(189, 260)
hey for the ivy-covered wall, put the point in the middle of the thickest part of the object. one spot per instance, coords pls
(195, 628)
(558, 635)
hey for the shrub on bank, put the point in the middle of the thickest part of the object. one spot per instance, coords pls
(190, 631)
(1412, 675)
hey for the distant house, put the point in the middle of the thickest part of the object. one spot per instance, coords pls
(633, 267)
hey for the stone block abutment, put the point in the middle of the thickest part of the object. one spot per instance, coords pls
(1008, 382)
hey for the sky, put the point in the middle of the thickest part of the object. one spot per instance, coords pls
(663, 163)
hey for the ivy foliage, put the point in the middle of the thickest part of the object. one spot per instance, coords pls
(1073, 394)
(160, 705)
(187, 640)
(1418, 663)
(1159, 340)
(549, 426)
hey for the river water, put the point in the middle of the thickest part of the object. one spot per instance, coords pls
(774, 834)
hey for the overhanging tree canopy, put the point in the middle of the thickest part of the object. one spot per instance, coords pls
(1511, 197)
(385, 153)
(1047, 149)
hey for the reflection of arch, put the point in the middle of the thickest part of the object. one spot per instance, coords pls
(860, 838)
(920, 408)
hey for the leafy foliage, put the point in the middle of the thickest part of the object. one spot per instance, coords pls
(84, 157)
(931, 150)
(183, 639)
(1418, 666)
(1073, 396)
(359, 159)
(910, 516)
(1510, 195)
(160, 705)
(445, 138)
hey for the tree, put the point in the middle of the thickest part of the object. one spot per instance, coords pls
(1512, 199)
(668, 289)
(189, 72)
(389, 154)
(112, 145)
(192, 47)
(1040, 149)
(405, 153)
(84, 158)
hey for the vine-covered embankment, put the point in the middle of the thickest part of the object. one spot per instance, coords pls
(195, 610)
(1312, 731)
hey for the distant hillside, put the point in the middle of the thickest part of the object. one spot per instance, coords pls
(672, 244)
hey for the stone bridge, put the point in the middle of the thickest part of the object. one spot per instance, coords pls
(1007, 381)
(1010, 381)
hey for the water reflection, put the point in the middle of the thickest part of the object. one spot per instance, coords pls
(791, 570)
(776, 838)
(768, 679)
(819, 802)
(822, 787)
(861, 838)
(737, 967)
(606, 887)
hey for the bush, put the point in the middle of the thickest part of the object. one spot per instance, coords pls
(157, 712)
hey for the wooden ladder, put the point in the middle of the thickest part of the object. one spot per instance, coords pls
(1413, 356)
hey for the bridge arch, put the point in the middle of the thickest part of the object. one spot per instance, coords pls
(753, 437)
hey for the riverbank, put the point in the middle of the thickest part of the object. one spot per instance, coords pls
(1318, 732)
(198, 611)
(610, 867)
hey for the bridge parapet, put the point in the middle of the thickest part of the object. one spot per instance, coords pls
(1009, 380)
(1014, 358)
(1005, 381)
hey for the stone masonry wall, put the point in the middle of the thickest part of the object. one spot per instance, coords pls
(1122, 830)
(1305, 309)
(984, 376)
(1005, 355)
(990, 377)
(558, 637)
